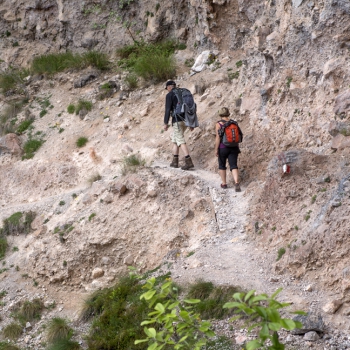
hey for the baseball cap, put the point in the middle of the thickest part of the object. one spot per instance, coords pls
(224, 112)
(169, 82)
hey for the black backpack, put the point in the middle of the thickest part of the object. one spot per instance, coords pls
(186, 108)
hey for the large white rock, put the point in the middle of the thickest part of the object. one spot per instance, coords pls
(201, 61)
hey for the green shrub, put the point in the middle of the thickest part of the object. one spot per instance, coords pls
(200, 290)
(82, 141)
(61, 203)
(280, 253)
(239, 64)
(117, 312)
(131, 163)
(12, 331)
(3, 246)
(131, 81)
(18, 223)
(57, 329)
(71, 109)
(64, 344)
(153, 62)
(8, 118)
(24, 126)
(42, 113)
(83, 105)
(54, 63)
(30, 147)
(289, 81)
(233, 75)
(91, 216)
(96, 59)
(12, 81)
(8, 346)
(155, 67)
(313, 199)
(29, 311)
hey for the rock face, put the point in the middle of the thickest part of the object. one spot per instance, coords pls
(10, 143)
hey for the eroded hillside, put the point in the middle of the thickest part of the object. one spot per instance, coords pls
(282, 67)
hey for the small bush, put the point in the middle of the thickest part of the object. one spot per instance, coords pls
(12, 331)
(71, 109)
(57, 329)
(3, 246)
(289, 80)
(18, 223)
(54, 63)
(233, 75)
(93, 178)
(42, 113)
(30, 310)
(280, 253)
(83, 105)
(24, 126)
(313, 199)
(30, 147)
(61, 203)
(92, 216)
(82, 141)
(64, 344)
(200, 290)
(8, 346)
(12, 81)
(131, 81)
(239, 64)
(130, 163)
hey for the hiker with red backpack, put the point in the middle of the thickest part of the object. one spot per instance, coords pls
(180, 106)
(228, 137)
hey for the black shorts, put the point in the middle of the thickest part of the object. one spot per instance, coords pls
(230, 153)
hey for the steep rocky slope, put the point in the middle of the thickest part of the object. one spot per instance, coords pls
(290, 94)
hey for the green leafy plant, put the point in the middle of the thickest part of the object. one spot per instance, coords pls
(71, 109)
(131, 81)
(82, 141)
(30, 147)
(24, 126)
(61, 203)
(190, 331)
(18, 223)
(15, 249)
(239, 64)
(233, 75)
(91, 216)
(313, 199)
(83, 105)
(3, 246)
(327, 179)
(262, 312)
(289, 80)
(280, 253)
(273, 228)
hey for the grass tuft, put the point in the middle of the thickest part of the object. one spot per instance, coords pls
(57, 329)
(12, 331)
(131, 163)
(18, 223)
(3, 246)
(280, 253)
(29, 311)
(64, 344)
(30, 147)
(83, 105)
(8, 346)
(82, 141)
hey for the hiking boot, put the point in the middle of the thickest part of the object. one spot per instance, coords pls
(224, 186)
(237, 187)
(175, 162)
(188, 164)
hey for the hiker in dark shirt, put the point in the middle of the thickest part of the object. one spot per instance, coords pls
(226, 153)
(179, 128)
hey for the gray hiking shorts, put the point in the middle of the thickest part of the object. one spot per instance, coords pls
(178, 133)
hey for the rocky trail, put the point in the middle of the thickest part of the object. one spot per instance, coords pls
(230, 257)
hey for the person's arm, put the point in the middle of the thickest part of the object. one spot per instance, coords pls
(217, 139)
(168, 105)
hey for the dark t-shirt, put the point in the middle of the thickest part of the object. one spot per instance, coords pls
(170, 105)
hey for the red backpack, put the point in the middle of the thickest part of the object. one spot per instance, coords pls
(230, 133)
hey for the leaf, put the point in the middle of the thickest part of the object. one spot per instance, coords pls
(279, 290)
(288, 324)
(173, 305)
(140, 341)
(160, 307)
(183, 338)
(259, 297)
(150, 332)
(273, 315)
(148, 295)
(231, 305)
(249, 294)
(274, 326)
(147, 322)
(261, 311)
(254, 344)
(299, 312)
(153, 346)
(192, 301)
(264, 332)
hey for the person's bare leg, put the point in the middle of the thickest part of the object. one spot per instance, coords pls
(175, 149)
(184, 149)
(223, 176)
(235, 175)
